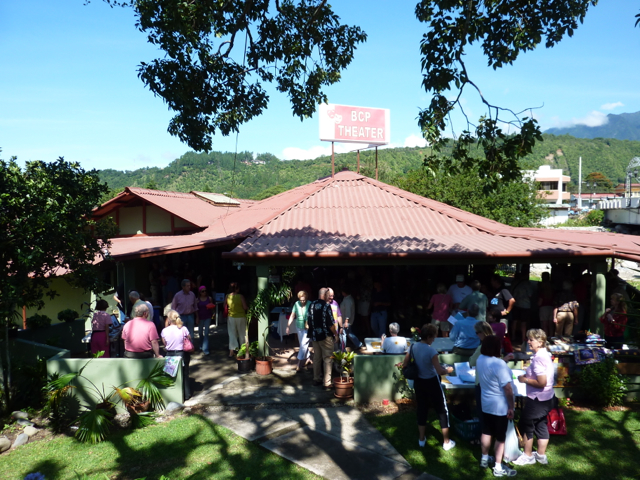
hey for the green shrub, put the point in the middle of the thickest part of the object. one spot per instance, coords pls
(601, 383)
(38, 321)
(68, 315)
(594, 218)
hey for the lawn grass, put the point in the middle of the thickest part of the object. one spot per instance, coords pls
(187, 447)
(600, 445)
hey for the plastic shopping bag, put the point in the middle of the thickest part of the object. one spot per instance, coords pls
(511, 448)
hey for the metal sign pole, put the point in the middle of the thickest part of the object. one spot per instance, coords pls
(333, 163)
(358, 161)
(376, 162)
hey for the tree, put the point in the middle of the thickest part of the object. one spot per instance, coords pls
(514, 203)
(47, 230)
(599, 182)
(218, 54)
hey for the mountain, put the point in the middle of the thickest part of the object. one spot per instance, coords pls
(625, 126)
(247, 176)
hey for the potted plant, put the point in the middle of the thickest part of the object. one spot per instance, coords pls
(94, 423)
(37, 321)
(274, 294)
(264, 364)
(68, 315)
(246, 363)
(343, 385)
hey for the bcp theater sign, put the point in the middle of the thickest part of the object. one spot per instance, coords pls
(345, 123)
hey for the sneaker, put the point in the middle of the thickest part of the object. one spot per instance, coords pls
(448, 446)
(485, 463)
(504, 471)
(540, 458)
(422, 443)
(525, 459)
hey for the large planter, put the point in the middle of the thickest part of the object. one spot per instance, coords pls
(245, 365)
(264, 367)
(343, 387)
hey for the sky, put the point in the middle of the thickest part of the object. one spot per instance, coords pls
(69, 85)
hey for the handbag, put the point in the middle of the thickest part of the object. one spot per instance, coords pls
(187, 345)
(411, 372)
(556, 422)
(226, 309)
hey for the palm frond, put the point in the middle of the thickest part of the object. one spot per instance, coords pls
(94, 426)
(141, 420)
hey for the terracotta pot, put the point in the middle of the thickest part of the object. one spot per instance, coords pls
(139, 407)
(264, 367)
(343, 387)
(245, 364)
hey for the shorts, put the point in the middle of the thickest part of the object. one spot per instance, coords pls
(444, 326)
(534, 418)
(495, 426)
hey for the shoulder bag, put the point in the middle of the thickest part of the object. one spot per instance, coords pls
(187, 345)
(410, 372)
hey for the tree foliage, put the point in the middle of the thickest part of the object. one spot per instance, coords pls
(599, 182)
(513, 202)
(218, 55)
(45, 213)
(504, 29)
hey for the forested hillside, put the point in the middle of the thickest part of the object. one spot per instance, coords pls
(625, 126)
(249, 178)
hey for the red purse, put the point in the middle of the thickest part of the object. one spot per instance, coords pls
(556, 422)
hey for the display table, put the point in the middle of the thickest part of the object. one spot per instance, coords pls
(451, 382)
(441, 344)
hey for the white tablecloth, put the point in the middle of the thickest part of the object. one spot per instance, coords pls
(441, 344)
(282, 325)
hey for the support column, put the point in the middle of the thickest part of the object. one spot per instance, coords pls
(262, 272)
(598, 295)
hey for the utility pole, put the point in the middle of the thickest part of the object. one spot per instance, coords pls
(580, 184)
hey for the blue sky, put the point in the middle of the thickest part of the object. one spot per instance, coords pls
(69, 85)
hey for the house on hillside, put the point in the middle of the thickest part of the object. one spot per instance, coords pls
(553, 189)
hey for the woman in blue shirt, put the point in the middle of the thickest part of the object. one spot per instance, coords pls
(463, 333)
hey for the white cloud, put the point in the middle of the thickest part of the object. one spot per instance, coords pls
(415, 141)
(611, 106)
(592, 119)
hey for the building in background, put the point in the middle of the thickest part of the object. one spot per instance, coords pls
(553, 189)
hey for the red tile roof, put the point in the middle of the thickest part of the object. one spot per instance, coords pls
(187, 206)
(352, 216)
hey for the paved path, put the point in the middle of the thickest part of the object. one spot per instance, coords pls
(289, 416)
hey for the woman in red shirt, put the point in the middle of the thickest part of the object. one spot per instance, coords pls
(615, 320)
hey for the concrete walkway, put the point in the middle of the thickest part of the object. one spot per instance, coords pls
(286, 414)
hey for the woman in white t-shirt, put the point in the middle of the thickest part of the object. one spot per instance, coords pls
(497, 403)
(427, 386)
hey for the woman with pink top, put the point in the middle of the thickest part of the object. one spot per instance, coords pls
(100, 329)
(441, 303)
(540, 398)
(173, 338)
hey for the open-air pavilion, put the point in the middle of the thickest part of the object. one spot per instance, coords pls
(348, 220)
